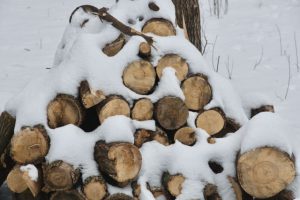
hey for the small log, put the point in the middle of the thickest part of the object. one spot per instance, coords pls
(89, 97)
(176, 62)
(160, 136)
(211, 140)
(197, 92)
(153, 6)
(265, 108)
(283, 195)
(30, 145)
(212, 121)
(119, 196)
(264, 172)
(7, 124)
(59, 176)
(142, 110)
(27, 195)
(139, 76)
(113, 105)
(6, 165)
(111, 49)
(67, 195)
(236, 188)
(159, 26)
(186, 135)
(120, 163)
(171, 112)
(63, 110)
(173, 183)
(141, 136)
(210, 192)
(144, 50)
(94, 188)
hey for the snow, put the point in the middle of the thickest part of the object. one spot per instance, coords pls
(32, 171)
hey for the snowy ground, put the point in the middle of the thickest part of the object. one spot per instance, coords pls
(31, 30)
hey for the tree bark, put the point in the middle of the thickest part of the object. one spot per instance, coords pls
(188, 14)
(7, 124)
(89, 97)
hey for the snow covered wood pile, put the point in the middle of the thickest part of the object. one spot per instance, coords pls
(131, 110)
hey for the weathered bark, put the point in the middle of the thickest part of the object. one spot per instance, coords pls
(63, 110)
(160, 136)
(94, 188)
(188, 14)
(178, 63)
(142, 136)
(139, 76)
(171, 112)
(120, 163)
(197, 92)
(89, 97)
(265, 108)
(264, 172)
(119, 196)
(7, 124)
(283, 195)
(59, 176)
(210, 192)
(113, 105)
(27, 195)
(144, 50)
(236, 188)
(142, 110)
(30, 145)
(115, 46)
(173, 183)
(159, 26)
(6, 164)
(67, 195)
(186, 135)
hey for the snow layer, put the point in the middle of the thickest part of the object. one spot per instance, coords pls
(32, 171)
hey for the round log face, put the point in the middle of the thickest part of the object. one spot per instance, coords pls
(15, 181)
(159, 27)
(171, 113)
(119, 196)
(211, 121)
(114, 47)
(142, 110)
(95, 190)
(139, 76)
(186, 135)
(197, 92)
(144, 50)
(174, 61)
(175, 185)
(264, 172)
(67, 195)
(30, 145)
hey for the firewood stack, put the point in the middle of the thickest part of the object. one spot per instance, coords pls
(183, 120)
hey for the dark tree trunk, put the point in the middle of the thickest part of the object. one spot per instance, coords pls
(188, 14)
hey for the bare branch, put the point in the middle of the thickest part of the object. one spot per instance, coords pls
(296, 49)
(229, 70)
(289, 78)
(260, 58)
(280, 40)
(213, 53)
(218, 63)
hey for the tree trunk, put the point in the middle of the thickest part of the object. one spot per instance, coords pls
(210, 192)
(188, 14)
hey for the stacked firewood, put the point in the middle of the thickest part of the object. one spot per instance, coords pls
(262, 173)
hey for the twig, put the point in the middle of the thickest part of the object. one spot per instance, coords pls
(296, 49)
(218, 63)
(213, 53)
(229, 71)
(226, 7)
(289, 79)
(260, 58)
(280, 40)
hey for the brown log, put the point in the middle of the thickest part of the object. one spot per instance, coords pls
(90, 97)
(159, 26)
(94, 188)
(212, 121)
(136, 189)
(142, 110)
(59, 176)
(67, 195)
(156, 191)
(119, 196)
(197, 92)
(139, 76)
(111, 49)
(283, 195)
(171, 112)
(7, 124)
(27, 195)
(63, 110)
(153, 6)
(211, 140)
(113, 105)
(144, 50)
(186, 135)
(6, 165)
(30, 145)
(176, 62)
(264, 172)
(160, 136)
(120, 162)
(173, 183)
(141, 136)
(264, 108)
(236, 188)
(210, 192)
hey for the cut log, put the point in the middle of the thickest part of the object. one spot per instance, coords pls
(120, 163)
(27, 195)
(173, 183)
(210, 192)
(186, 135)
(30, 145)
(160, 136)
(7, 124)
(89, 97)
(144, 50)
(174, 61)
(115, 46)
(265, 108)
(142, 110)
(236, 188)
(6, 165)
(212, 121)
(283, 195)
(264, 172)
(94, 188)
(139, 76)
(119, 196)
(159, 26)
(141, 136)
(113, 105)
(136, 189)
(67, 195)
(171, 113)
(59, 176)
(63, 110)
(34, 186)
(155, 190)
(153, 6)
(197, 92)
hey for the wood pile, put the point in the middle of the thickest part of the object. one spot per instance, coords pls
(263, 173)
